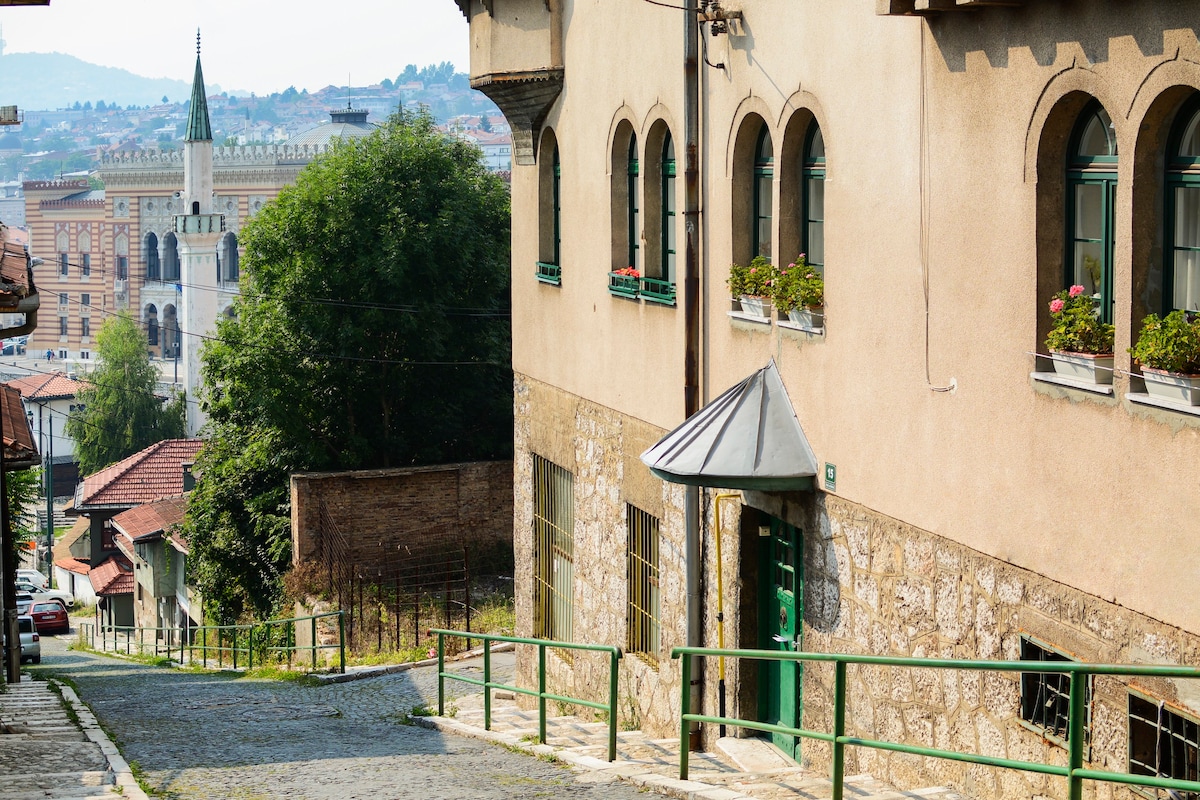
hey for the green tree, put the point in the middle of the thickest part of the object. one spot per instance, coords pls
(122, 414)
(371, 331)
(24, 493)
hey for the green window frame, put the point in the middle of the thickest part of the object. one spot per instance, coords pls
(553, 550)
(1091, 199)
(812, 177)
(645, 600)
(763, 200)
(1181, 272)
(631, 186)
(556, 178)
(667, 234)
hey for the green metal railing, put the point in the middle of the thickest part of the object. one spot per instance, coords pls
(259, 641)
(1074, 771)
(657, 290)
(622, 285)
(549, 273)
(614, 655)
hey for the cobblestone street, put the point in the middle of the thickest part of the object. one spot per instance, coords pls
(205, 736)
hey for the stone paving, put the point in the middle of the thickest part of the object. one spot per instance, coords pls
(203, 736)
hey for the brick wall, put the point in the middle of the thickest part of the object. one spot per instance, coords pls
(382, 510)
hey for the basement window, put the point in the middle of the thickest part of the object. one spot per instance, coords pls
(1162, 743)
(1046, 696)
(644, 611)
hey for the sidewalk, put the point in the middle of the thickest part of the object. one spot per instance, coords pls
(53, 747)
(744, 769)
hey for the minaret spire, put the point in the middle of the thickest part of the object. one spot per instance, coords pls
(198, 127)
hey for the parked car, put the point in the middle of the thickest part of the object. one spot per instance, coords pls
(33, 576)
(50, 616)
(24, 600)
(31, 641)
(66, 598)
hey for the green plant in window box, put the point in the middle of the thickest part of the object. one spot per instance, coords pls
(1169, 351)
(753, 284)
(798, 286)
(1081, 342)
(1076, 326)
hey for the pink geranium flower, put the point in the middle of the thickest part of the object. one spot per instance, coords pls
(1076, 290)
(1056, 306)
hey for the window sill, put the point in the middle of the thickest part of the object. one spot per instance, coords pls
(742, 316)
(792, 326)
(1178, 406)
(1073, 383)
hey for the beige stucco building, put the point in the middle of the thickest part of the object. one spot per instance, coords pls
(949, 166)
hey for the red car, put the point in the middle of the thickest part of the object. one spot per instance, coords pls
(50, 617)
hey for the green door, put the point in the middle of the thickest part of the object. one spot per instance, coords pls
(780, 609)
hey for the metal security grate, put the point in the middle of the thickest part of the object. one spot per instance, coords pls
(644, 599)
(553, 550)
(1162, 743)
(1045, 696)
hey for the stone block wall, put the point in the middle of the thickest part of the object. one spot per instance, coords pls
(873, 585)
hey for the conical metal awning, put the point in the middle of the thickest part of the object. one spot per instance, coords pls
(748, 438)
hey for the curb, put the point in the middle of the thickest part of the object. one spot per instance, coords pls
(624, 771)
(391, 669)
(123, 777)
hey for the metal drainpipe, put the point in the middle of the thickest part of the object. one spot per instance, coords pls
(691, 307)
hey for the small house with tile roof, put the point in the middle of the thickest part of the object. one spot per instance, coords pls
(144, 477)
(150, 536)
(49, 398)
(72, 562)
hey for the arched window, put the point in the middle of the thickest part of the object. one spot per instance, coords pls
(121, 246)
(1091, 192)
(227, 257)
(764, 175)
(170, 257)
(549, 265)
(170, 330)
(667, 222)
(150, 256)
(1182, 217)
(813, 177)
(152, 325)
(631, 190)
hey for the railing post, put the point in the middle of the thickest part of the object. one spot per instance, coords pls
(487, 684)
(686, 683)
(839, 728)
(441, 676)
(1075, 734)
(342, 642)
(612, 705)
(204, 646)
(250, 649)
(541, 694)
(234, 648)
(314, 641)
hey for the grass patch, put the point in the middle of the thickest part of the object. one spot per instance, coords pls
(279, 674)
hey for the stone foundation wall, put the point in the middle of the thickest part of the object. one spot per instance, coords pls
(873, 584)
(876, 585)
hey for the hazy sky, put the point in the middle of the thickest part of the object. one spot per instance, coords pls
(260, 46)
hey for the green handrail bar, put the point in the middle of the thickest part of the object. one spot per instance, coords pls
(227, 640)
(1079, 672)
(614, 655)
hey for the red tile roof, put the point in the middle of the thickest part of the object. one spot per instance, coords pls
(114, 576)
(19, 449)
(45, 386)
(79, 566)
(62, 547)
(144, 477)
(14, 269)
(159, 517)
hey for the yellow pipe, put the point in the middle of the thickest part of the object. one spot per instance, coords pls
(720, 579)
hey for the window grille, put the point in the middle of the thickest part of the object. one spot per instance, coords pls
(553, 550)
(1045, 696)
(644, 610)
(1162, 743)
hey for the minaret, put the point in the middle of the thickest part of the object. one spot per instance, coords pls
(199, 230)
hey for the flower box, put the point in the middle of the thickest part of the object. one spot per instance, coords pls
(549, 273)
(811, 317)
(657, 290)
(1173, 386)
(623, 284)
(1097, 369)
(757, 306)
